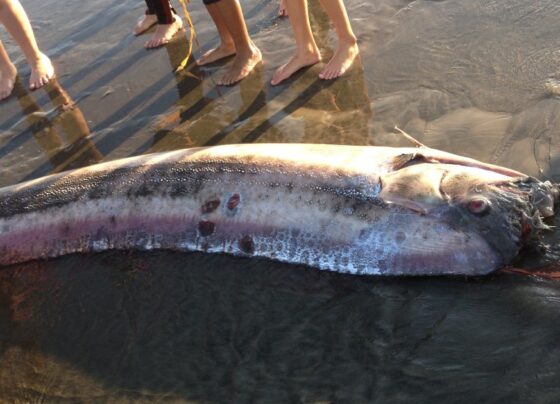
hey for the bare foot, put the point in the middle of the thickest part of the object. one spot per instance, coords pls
(242, 65)
(7, 80)
(282, 10)
(341, 61)
(42, 71)
(164, 33)
(144, 23)
(220, 52)
(296, 63)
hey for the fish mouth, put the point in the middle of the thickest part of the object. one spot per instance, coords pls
(478, 258)
(428, 245)
(454, 253)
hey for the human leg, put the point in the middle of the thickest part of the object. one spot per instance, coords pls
(168, 23)
(14, 18)
(347, 48)
(307, 53)
(8, 73)
(226, 47)
(247, 54)
(148, 20)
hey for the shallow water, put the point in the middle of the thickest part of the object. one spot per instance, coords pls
(478, 78)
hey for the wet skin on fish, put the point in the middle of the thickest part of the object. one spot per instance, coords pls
(360, 210)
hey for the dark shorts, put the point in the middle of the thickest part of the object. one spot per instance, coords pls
(164, 11)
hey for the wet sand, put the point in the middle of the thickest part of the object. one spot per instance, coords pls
(477, 78)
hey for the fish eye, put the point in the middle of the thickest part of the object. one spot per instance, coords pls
(478, 206)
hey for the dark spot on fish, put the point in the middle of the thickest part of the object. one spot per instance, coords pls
(142, 190)
(210, 205)
(113, 220)
(196, 185)
(233, 201)
(179, 189)
(66, 229)
(247, 245)
(99, 192)
(400, 237)
(206, 228)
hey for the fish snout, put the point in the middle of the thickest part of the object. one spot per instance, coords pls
(545, 196)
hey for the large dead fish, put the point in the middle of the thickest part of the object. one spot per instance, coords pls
(361, 210)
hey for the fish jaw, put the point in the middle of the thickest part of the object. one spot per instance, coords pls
(415, 244)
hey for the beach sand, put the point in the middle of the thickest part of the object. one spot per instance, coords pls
(478, 78)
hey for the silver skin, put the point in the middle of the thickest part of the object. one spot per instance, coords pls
(360, 210)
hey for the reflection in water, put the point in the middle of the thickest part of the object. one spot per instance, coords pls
(189, 86)
(71, 150)
(320, 111)
(313, 110)
(58, 128)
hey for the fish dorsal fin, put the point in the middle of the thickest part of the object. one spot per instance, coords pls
(416, 188)
(408, 159)
(409, 137)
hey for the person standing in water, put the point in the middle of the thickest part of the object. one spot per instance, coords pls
(14, 18)
(307, 53)
(168, 23)
(234, 40)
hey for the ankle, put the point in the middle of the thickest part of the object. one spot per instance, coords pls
(348, 40)
(227, 44)
(8, 68)
(308, 52)
(6, 64)
(247, 51)
(37, 60)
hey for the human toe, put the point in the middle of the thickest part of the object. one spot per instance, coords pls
(5, 92)
(278, 77)
(226, 80)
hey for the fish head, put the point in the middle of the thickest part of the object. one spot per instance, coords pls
(486, 216)
(507, 212)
